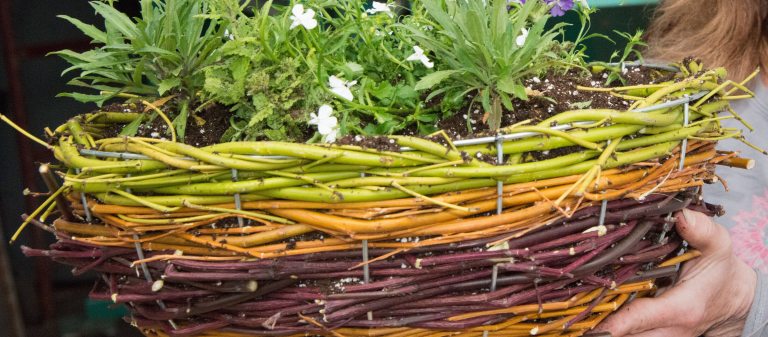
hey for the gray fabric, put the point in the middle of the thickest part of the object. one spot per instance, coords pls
(757, 321)
(743, 185)
(746, 202)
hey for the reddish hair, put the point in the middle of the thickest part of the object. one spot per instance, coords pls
(722, 33)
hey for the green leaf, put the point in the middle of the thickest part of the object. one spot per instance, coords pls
(180, 122)
(352, 69)
(89, 30)
(168, 84)
(132, 128)
(432, 79)
(580, 105)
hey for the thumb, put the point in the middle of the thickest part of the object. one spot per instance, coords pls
(640, 315)
(702, 232)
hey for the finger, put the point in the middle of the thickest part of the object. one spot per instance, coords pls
(640, 315)
(702, 232)
(663, 332)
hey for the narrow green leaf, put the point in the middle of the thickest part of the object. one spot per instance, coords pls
(131, 128)
(168, 84)
(432, 79)
(89, 30)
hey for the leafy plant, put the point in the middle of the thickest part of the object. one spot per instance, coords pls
(162, 52)
(487, 49)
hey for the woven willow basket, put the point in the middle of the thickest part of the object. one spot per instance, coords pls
(284, 239)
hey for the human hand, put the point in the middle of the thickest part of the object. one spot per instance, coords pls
(712, 296)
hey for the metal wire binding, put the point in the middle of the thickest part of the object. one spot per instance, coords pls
(88, 216)
(499, 207)
(145, 269)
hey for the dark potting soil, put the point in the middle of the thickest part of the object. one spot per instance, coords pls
(550, 94)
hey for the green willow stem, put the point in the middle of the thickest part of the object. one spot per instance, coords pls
(436, 149)
(175, 200)
(313, 152)
(68, 154)
(247, 186)
(508, 170)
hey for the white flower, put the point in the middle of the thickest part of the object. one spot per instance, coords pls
(380, 7)
(520, 40)
(300, 17)
(418, 55)
(341, 87)
(584, 4)
(228, 35)
(327, 124)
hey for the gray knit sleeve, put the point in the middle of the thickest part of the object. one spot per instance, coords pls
(757, 321)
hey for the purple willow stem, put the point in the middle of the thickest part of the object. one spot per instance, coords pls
(588, 245)
(580, 316)
(195, 328)
(569, 239)
(75, 254)
(453, 258)
(530, 294)
(262, 305)
(256, 322)
(585, 258)
(654, 274)
(447, 325)
(399, 322)
(462, 299)
(413, 288)
(657, 253)
(429, 310)
(125, 298)
(535, 269)
(617, 250)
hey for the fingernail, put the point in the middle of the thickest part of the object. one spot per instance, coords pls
(598, 334)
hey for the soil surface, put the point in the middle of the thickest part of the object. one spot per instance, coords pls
(550, 94)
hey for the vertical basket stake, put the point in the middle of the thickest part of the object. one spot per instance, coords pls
(238, 202)
(683, 152)
(145, 269)
(87, 210)
(366, 268)
(499, 207)
(604, 203)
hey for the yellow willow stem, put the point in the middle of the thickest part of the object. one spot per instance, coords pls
(548, 131)
(47, 212)
(241, 212)
(164, 117)
(304, 178)
(39, 210)
(616, 89)
(745, 81)
(153, 147)
(145, 202)
(447, 139)
(167, 221)
(434, 201)
(429, 167)
(24, 132)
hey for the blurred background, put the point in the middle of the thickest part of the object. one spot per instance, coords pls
(40, 298)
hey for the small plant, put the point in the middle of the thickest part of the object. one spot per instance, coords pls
(161, 53)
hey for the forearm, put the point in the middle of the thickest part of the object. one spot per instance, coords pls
(757, 321)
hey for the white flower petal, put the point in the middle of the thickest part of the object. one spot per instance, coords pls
(324, 112)
(297, 10)
(343, 92)
(335, 82)
(425, 60)
(331, 136)
(418, 50)
(314, 119)
(520, 40)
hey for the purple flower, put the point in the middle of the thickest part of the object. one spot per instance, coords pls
(559, 7)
